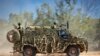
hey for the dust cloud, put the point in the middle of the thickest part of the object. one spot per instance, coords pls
(5, 46)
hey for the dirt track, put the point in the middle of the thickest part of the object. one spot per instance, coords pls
(56, 54)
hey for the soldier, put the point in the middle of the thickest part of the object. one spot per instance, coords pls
(19, 25)
(54, 25)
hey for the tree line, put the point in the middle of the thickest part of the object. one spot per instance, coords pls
(81, 24)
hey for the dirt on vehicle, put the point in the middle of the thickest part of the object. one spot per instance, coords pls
(44, 40)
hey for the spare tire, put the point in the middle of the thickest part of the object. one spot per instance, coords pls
(13, 36)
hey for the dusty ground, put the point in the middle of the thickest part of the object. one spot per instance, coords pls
(97, 53)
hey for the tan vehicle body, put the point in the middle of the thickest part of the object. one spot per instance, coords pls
(44, 40)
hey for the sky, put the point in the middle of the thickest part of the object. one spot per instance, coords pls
(20, 6)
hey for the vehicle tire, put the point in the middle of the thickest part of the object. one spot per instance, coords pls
(29, 52)
(73, 51)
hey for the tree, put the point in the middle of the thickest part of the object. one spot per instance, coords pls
(64, 10)
(97, 38)
(44, 15)
(24, 18)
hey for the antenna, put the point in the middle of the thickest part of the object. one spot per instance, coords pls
(25, 22)
(67, 25)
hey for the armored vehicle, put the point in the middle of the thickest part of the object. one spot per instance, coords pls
(45, 39)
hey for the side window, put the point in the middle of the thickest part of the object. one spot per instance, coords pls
(63, 34)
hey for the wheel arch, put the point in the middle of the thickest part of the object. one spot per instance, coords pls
(78, 46)
(29, 46)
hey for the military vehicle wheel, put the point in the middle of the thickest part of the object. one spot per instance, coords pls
(29, 52)
(73, 51)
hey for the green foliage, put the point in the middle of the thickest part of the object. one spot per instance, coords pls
(24, 18)
(44, 15)
(80, 25)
